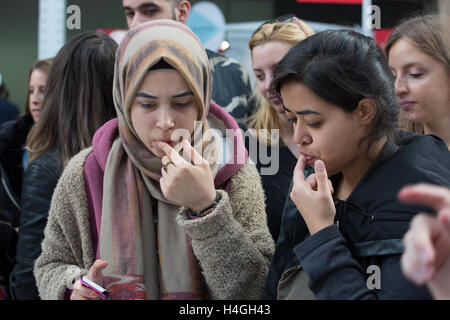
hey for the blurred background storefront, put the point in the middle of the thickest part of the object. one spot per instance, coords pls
(22, 26)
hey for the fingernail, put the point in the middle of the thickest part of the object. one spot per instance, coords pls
(422, 275)
(423, 256)
(93, 295)
(445, 218)
(319, 165)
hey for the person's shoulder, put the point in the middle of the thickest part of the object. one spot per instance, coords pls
(6, 127)
(79, 159)
(426, 145)
(9, 111)
(418, 158)
(216, 57)
(4, 103)
(432, 140)
(70, 187)
(10, 135)
(17, 128)
(229, 76)
(74, 171)
(50, 155)
(212, 54)
(49, 161)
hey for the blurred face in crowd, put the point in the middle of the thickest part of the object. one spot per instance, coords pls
(422, 83)
(264, 59)
(163, 104)
(322, 130)
(36, 91)
(140, 11)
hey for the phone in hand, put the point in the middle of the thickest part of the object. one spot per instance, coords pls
(97, 288)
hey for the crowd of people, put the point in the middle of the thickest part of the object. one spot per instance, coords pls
(143, 165)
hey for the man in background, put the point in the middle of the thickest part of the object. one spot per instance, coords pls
(231, 84)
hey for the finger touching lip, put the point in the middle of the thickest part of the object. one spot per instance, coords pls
(308, 157)
(169, 142)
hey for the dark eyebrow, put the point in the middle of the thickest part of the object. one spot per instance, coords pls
(178, 95)
(143, 6)
(286, 109)
(303, 112)
(145, 95)
(183, 94)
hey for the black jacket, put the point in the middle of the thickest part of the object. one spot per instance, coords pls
(13, 136)
(368, 230)
(39, 183)
(276, 174)
(8, 111)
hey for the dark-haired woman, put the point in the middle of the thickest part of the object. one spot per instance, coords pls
(13, 133)
(78, 102)
(13, 159)
(342, 229)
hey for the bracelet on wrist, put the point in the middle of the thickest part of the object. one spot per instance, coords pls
(205, 211)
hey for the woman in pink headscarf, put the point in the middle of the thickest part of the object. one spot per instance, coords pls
(165, 205)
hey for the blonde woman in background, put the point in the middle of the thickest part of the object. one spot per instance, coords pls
(268, 44)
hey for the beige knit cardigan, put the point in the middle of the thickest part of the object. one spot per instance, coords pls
(233, 243)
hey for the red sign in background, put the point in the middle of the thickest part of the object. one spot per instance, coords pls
(381, 36)
(109, 30)
(332, 1)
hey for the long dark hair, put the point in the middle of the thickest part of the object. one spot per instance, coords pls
(79, 97)
(343, 67)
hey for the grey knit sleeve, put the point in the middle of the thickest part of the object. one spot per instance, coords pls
(233, 243)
